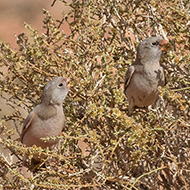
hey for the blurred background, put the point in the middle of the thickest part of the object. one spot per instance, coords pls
(13, 15)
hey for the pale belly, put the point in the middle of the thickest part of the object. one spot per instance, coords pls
(142, 90)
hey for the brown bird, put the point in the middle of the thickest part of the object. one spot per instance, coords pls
(145, 75)
(47, 118)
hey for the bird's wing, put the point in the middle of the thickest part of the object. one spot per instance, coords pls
(162, 81)
(27, 124)
(128, 76)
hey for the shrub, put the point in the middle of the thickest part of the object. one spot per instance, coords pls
(149, 150)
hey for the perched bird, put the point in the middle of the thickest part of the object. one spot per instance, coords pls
(47, 118)
(145, 75)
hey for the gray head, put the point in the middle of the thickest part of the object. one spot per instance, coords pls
(55, 91)
(150, 49)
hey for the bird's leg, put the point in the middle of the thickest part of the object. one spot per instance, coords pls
(159, 103)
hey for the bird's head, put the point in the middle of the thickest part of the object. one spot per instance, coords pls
(55, 91)
(150, 49)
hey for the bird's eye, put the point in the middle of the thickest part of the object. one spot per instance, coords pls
(155, 43)
(60, 84)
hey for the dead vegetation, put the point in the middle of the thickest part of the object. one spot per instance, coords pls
(148, 151)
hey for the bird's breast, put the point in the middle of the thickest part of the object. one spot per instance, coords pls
(49, 127)
(143, 86)
(42, 128)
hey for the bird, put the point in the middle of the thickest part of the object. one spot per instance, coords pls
(47, 118)
(145, 75)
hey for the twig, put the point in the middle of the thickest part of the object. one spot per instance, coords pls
(148, 173)
(53, 3)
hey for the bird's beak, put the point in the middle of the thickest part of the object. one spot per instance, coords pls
(164, 45)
